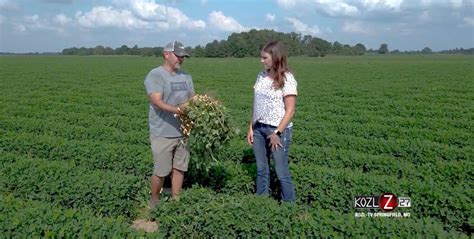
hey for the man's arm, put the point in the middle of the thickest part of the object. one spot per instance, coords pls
(156, 99)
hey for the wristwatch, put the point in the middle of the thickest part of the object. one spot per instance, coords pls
(278, 133)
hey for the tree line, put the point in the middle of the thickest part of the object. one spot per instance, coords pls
(244, 44)
(248, 44)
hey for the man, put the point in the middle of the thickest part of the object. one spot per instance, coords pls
(168, 88)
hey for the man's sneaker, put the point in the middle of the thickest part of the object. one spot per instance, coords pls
(152, 205)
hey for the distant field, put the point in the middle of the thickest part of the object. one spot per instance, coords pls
(76, 160)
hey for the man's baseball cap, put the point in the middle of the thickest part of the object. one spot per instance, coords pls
(177, 48)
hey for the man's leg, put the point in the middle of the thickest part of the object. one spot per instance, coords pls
(180, 166)
(156, 186)
(177, 178)
(162, 149)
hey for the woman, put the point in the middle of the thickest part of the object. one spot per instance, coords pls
(270, 128)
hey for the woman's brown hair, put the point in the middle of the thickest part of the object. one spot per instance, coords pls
(279, 62)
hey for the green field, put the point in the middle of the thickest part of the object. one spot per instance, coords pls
(75, 156)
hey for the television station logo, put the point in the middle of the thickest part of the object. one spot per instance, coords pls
(386, 202)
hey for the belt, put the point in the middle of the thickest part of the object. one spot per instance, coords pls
(262, 124)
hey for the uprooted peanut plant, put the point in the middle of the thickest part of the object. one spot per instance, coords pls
(206, 126)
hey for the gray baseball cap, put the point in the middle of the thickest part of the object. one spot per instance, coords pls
(177, 48)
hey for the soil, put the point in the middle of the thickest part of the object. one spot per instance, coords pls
(146, 225)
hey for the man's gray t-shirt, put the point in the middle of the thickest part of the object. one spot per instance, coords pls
(176, 89)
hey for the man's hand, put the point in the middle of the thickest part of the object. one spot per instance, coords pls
(183, 106)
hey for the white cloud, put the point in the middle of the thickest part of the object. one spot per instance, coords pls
(109, 17)
(337, 8)
(7, 5)
(129, 15)
(224, 23)
(374, 5)
(287, 4)
(303, 28)
(329, 7)
(270, 17)
(425, 2)
(18, 27)
(62, 19)
(35, 23)
(148, 10)
(449, 4)
(204, 2)
(57, 1)
(160, 16)
(176, 18)
(425, 16)
(456, 3)
(469, 21)
(356, 27)
(352, 8)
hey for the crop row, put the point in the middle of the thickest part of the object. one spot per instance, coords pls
(441, 193)
(120, 158)
(377, 112)
(422, 107)
(136, 159)
(44, 109)
(72, 186)
(334, 189)
(449, 171)
(123, 129)
(415, 99)
(107, 130)
(41, 110)
(452, 137)
(453, 171)
(410, 150)
(202, 213)
(34, 219)
(309, 114)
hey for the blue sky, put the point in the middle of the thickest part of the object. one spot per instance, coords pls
(52, 25)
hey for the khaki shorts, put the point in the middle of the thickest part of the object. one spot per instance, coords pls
(169, 153)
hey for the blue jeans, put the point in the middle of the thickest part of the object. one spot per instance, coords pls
(262, 150)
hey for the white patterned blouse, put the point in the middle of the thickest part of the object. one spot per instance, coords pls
(268, 105)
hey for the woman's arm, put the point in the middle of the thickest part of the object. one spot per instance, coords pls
(290, 102)
(250, 131)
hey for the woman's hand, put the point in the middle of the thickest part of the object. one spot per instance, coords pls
(250, 136)
(274, 141)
